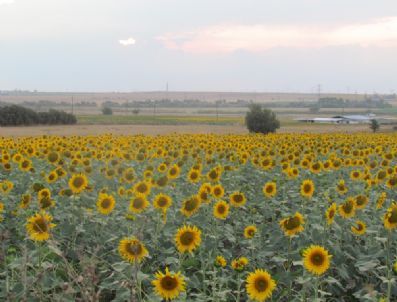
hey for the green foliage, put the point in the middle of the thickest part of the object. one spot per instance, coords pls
(107, 111)
(374, 126)
(260, 120)
(15, 115)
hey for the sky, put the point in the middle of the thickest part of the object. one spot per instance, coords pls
(207, 45)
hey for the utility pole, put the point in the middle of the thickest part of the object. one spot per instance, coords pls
(319, 91)
(72, 105)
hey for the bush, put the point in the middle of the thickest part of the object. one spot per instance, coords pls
(260, 120)
(107, 111)
(14, 115)
(374, 125)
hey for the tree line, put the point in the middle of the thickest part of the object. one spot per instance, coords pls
(15, 115)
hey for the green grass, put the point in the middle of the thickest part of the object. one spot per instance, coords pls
(156, 120)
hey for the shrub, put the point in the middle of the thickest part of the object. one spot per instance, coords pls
(15, 115)
(107, 111)
(260, 120)
(374, 125)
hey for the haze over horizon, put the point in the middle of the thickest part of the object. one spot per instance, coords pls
(241, 46)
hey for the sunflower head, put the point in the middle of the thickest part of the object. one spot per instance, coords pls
(138, 204)
(187, 239)
(330, 213)
(39, 226)
(260, 285)
(292, 225)
(190, 205)
(105, 203)
(221, 210)
(78, 183)
(132, 250)
(390, 218)
(162, 202)
(237, 199)
(359, 228)
(250, 231)
(270, 189)
(169, 285)
(348, 208)
(239, 264)
(307, 188)
(316, 259)
(220, 261)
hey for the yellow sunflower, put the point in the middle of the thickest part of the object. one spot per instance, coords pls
(187, 239)
(260, 285)
(360, 228)
(174, 172)
(292, 225)
(162, 202)
(193, 176)
(78, 183)
(221, 210)
(348, 208)
(240, 263)
(361, 201)
(250, 231)
(307, 188)
(132, 250)
(316, 259)
(220, 261)
(381, 199)
(138, 204)
(142, 188)
(331, 213)
(169, 285)
(39, 226)
(237, 199)
(390, 218)
(190, 206)
(218, 191)
(25, 201)
(341, 187)
(270, 189)
(105, 203)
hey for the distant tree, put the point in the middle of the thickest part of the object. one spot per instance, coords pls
(135, 111)
(260, 120)
(107, 111)
(374, 125)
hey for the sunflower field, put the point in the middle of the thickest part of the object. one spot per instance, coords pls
(279, 217)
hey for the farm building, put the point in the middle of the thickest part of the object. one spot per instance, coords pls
(347, 119)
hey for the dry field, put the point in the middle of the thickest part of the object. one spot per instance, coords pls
(168, 129)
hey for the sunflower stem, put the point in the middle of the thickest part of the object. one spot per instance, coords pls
(289, 267)
(238, 288)
(316, 289)
(388, 265)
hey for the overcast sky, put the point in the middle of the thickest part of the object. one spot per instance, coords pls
(200, 45)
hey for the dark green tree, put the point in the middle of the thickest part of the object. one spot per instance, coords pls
(374, 125)
(107, 111)
(260, 120)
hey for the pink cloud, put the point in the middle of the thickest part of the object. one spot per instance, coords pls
(228, 38)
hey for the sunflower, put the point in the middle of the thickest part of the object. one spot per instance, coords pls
(390, 218)
(174, 172)
(162, 202)
(361, 201)
(360, 228)
(260, 285)
(39, 225)
(218, 191)
(193, 176)
(52, 177)
(138, 204)
(215, 174)
(142, 188)
(187, 239)
(105, 203)
(250, 231)
(204, 194)
(78, 183)
(25, 201)
(270, 189)
(6, 186)
(355, 175)
(307, 188)
(44, 193)
(220, 261)
(221, 210)
(330, 213)
(348, 208)
(391, 183)
(132, 250)
(381, 199)
(169, 285)
(341, 187)
(46, 203)
(292, 225)
(316, 259)
(237, 199)
(129, 175)
(25, 165)
(240, 263)
(190, 206)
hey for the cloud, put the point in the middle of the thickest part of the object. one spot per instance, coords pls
(228, 38)
(6, 2)
(127, 42)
